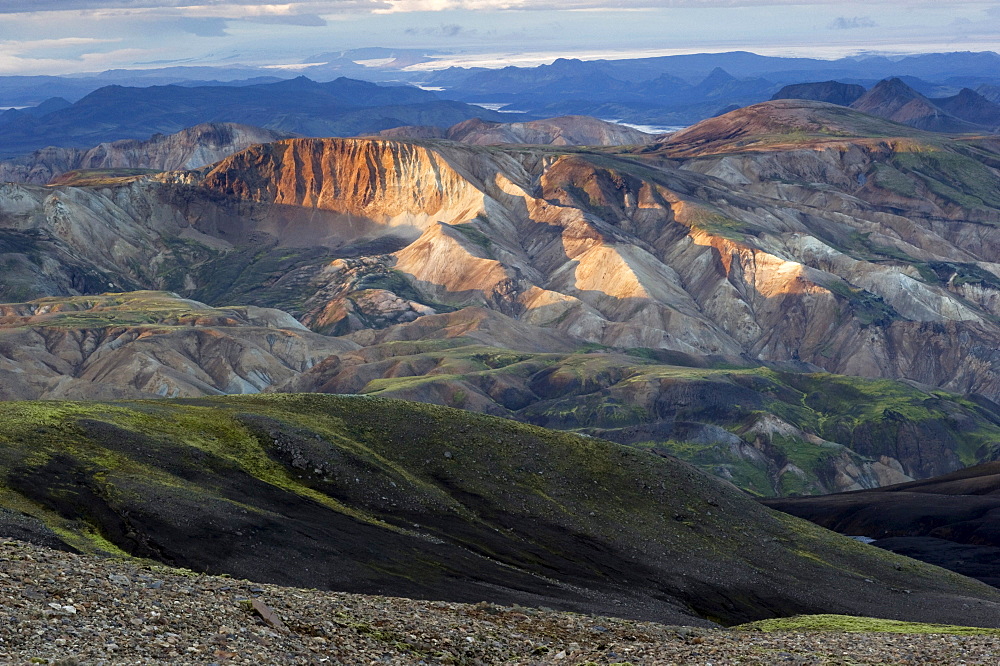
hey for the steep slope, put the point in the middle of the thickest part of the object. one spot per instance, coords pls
(991, 93)
(188, 149)
(146, 344)
(894, 100)
(948, 520)
(562, 131)
(367, 495)
(832, 92)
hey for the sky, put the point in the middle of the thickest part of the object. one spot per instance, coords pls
(73, 36)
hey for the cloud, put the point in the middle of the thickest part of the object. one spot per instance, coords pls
(305, 20)
(853, 23)
(22, 46)
(13, 62)
(400, 6)
(202, 26)
(309, 8)
(448, 30)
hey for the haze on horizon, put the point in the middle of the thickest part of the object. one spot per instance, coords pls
(72, 36)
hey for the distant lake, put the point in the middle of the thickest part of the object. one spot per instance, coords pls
(496, 106)
(650, 129)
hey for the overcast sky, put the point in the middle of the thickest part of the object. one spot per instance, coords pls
(64, 36)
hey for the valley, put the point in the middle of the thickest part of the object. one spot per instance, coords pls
(771, 237)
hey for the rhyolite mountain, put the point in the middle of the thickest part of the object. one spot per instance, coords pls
(368, 495)
(188, 149)
(790, 237)
(948, 520)
(561, 131)
(343, 107)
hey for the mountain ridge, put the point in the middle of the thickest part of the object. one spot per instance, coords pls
(299, 106)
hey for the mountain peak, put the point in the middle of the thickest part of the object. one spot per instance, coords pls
(777, 122)
(894, 100)
(716, 77)
(972, 107)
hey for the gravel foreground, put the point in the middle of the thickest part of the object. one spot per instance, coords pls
(61, 608)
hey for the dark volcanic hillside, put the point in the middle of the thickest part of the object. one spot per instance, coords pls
(339, 108)
(949, 520)
(972, 107)
(361, 494)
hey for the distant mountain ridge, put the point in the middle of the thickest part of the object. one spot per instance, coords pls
(188, 149)
(561, 131)
(893, 99)
(666, 90)
(687, 88)
(833, 92)
(301, 106)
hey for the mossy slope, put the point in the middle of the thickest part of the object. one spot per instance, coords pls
(372, 495)
(866, 625)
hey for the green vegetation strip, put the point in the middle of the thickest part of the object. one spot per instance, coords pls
(848, 623)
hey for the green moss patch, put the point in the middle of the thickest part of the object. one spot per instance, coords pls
(848, 623)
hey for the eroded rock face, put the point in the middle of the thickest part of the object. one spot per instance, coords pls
(149, 344)
(854, 255)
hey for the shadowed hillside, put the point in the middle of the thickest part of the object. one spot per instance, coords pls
(363, 494)
(949, 520)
